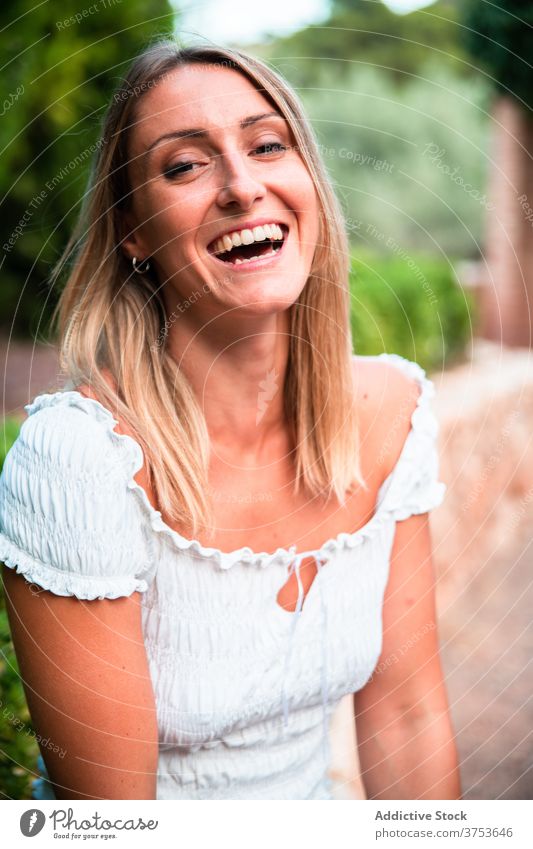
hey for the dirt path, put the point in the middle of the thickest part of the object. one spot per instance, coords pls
(487, 653)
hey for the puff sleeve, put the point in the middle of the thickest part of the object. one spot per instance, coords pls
(414, 486)
(69, 520)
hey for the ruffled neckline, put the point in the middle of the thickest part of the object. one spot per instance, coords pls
(226, 559)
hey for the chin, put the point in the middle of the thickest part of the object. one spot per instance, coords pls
(263, 298)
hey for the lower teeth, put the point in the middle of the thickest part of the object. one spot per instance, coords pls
(251, 258)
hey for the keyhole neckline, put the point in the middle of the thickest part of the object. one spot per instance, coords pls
(304, 600)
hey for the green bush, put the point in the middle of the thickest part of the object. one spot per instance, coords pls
(409, 305)
(9, 430)
(18, 745)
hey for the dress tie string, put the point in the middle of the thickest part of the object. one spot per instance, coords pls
(320, 560)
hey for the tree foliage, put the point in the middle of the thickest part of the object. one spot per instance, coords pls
(499, 38)
(66, 60)
(368, 33)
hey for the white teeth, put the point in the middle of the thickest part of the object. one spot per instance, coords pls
(251, 258)
(247, 237)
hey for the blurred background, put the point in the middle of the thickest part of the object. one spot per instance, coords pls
(422, 111)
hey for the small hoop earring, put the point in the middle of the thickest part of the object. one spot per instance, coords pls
(138, 268)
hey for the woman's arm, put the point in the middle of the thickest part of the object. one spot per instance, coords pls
(405, 738)
(85, 673)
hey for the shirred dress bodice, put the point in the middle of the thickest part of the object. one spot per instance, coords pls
(244, 689)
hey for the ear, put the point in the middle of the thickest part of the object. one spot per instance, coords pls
(132, 242)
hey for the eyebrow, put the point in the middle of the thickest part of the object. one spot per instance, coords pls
(199, 132)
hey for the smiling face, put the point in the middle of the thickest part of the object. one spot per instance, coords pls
(237, 179)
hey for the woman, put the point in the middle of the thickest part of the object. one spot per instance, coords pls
(220, 527)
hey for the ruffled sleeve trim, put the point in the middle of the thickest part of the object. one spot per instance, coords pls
(84, 587)
(39, 534)
(411, 487)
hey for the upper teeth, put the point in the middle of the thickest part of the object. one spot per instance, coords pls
(247, 237)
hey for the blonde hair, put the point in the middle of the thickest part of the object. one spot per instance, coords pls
(109, 316)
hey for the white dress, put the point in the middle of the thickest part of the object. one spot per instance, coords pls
(244, 690)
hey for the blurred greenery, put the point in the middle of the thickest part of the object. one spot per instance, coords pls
(400, 90)
(56, 86)
(409, 305)
(411, 161)
(391, 89)
(359, 32)
(18, 745)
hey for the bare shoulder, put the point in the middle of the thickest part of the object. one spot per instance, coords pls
(386, 398)
(142, 476)
(88, 391)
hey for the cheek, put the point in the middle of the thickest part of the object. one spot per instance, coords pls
(306, 198)
(171, 224)
(311, 216)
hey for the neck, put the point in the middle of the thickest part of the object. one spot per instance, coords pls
(238, 373)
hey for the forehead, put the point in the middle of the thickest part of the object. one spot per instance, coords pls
(197, 96)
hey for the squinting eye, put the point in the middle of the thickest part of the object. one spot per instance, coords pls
(178, 169)
(268, 147)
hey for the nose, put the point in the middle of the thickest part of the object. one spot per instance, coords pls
(239, 185)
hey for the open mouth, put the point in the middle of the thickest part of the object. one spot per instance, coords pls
(259, 248)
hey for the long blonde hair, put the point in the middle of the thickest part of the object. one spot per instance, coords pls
(109, 316)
